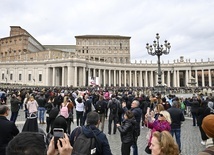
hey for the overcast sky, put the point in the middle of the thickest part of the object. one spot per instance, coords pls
(187, 24)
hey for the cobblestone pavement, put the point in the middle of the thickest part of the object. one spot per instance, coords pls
(190, 137)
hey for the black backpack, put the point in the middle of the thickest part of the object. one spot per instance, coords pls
(114, 107)
(53, 112)
(84, 145)
(100, 107)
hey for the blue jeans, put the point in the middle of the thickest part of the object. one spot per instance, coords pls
(134, 147)
(194, 118)
(41, 111)
(177, 133)
(14, 116)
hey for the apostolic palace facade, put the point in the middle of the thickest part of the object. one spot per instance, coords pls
(95, 59)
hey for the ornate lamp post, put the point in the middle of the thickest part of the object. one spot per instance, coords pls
(157, 49)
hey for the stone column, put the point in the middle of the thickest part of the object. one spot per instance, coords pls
(162, 77)
(174, 79)
(54, 76)
(119, 78)
(141, 79)
(152, 79)
(109, 77)
(69, 76)
(135, 78)
(203, 78)
(115, 77)
(178, 79)
(99, 74)
(84, 76)
(190, 74)
(63, 76)
(46, 78)
(186, 78)
(75, 76)
(210, 81)
(146, 79)
(125, 78)
(130, 78)
(104, 77)
(196, 77)
(168, 78)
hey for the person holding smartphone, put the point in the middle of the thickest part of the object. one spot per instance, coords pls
(63, 145)
(26, 143)
(160, 124)
(126, 130)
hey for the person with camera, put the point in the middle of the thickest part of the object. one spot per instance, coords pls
(126, 130)
(34, 143)
(160, 124)
(63, 145)
(138, 115)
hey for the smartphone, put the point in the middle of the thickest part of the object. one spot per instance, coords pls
(57, 133)
(148, 110)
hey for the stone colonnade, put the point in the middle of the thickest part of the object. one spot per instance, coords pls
(80, 76)
(79, 72)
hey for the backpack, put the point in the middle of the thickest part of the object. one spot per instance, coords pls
(64, 111)
(114, 107)
(99, 106)
(182, 106)
(120, 109)
(84, 145)
(53, 112)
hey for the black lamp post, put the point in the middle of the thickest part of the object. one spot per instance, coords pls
(157, 49)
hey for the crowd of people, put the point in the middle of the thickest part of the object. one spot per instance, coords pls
(127, 111)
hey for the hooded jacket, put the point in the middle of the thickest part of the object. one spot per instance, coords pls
(87, 130)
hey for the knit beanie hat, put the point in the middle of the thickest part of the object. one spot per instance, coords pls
(208, 125)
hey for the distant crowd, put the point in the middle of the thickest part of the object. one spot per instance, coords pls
(126, 109)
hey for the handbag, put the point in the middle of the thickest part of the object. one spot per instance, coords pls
(147, 150)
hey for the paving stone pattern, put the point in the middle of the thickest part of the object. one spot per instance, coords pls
(190, 137)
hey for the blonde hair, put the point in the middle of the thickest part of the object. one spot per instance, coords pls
(65, 100)
(166, 115)
(31, 98)
(167, 143)
(159, 107)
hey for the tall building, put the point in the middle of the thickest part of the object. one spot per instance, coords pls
(95, 59)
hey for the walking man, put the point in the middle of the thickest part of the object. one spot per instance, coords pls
(113, 105)
(15, 105)
(177, 117)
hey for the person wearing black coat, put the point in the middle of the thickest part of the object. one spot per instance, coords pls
(144, 106)
(138, 115)
(7, 129)
(91, 130)
(203, 111)
(177, 118)
(126, 132)
(15, 105)
(194, 110)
